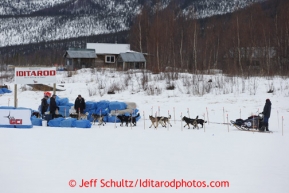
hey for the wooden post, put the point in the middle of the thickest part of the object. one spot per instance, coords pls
(15, 95)
(188, 111)
(54, 88)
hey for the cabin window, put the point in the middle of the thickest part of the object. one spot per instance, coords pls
(109, 59)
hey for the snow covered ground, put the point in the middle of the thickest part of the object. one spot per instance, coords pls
(46, 159)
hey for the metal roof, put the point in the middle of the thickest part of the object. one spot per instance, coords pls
(105, 48)
(80, 53)
(132, 57)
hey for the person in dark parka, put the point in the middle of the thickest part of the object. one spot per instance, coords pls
(266, 112)
(44, 105)
(53, 106)
(79, 104)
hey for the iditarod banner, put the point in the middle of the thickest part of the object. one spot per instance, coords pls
(35, 75)
(15, 118)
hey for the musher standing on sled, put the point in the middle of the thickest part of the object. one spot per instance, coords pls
(266, 112)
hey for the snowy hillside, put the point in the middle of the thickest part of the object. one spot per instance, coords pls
(207, 8)
(16, 31)
(17, 7)
(25, 22)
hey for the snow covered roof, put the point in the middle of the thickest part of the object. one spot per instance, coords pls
(132, 57)
(106, 48)
(80, 53)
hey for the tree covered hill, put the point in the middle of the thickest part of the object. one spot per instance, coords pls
(35, 21)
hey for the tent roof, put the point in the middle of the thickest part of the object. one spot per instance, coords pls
(132, 57)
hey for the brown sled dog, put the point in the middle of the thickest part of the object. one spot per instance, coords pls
(156, 121)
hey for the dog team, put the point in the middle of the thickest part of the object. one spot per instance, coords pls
(163, 121)
(79, 106)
